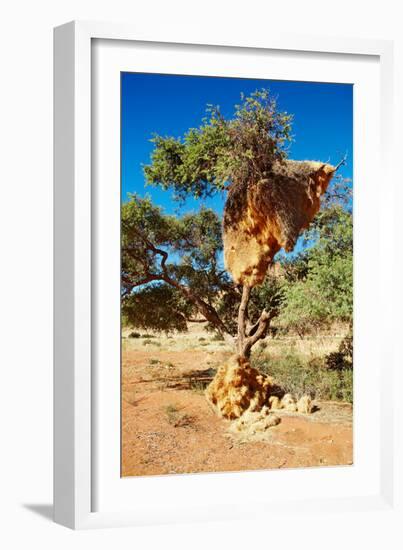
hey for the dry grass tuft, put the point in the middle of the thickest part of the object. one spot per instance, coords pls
(177, 418)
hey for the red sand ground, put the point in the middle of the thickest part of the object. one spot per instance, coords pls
(168, 427)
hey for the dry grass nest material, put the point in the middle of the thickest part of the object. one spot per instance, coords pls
(262, 217)
(238, 389)
(254, 425)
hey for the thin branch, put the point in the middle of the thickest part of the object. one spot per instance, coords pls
(152, 247)
(147, 279)
(342, 162)
(190, 319)
(261, 331)
(253, 328)
(205, 309)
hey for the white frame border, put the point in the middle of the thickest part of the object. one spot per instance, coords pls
(72, 203)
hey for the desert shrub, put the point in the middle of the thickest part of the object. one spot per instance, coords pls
(295, 374)
(198, 381)
(217, 337)
(171, 412)
(154, 362)
(342, 359)
(346, 346)
(178, 419)
(198, 386)
(134, 335)
(335, 361)
(201, 339)
(148, 342)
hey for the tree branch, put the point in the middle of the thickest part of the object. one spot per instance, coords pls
(190, 319)
(261, 330)
(341, 163)
(147, 279)
(251, 329)
(207, 310)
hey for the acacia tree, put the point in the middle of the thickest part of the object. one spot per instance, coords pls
(171, 268)
(172, 273)
(207, 160)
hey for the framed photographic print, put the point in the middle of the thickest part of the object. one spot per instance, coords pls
(220, 292)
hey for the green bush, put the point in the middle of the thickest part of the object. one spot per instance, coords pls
(294, 374)
(319, 285)
(342, 359)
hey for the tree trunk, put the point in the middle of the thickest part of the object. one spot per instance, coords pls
(238, 387)
(248, 335)
(242, 320)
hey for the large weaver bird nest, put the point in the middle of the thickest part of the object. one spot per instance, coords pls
(262, 217)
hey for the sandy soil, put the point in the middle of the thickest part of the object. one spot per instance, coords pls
(168, 427)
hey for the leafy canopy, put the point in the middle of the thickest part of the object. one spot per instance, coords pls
(147, 234)
(161, 251)
(319, 289)
(221, 150)
(172, 272)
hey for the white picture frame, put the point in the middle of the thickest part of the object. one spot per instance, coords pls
(79, 422)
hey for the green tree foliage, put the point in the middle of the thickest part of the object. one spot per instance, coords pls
(183, 253)
(319, 288)
(147, 234)
(157, 307)
(172, 272)
(222, 151)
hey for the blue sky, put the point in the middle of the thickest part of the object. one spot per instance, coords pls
(169, 105)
